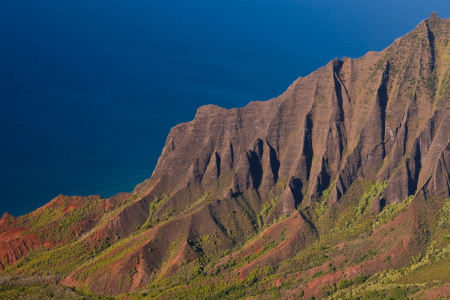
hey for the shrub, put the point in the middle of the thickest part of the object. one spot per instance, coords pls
(360, 279)
(344, 283)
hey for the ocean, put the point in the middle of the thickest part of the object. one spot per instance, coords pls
(89, 89)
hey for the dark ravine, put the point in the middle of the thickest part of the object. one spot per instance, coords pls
(317, 192)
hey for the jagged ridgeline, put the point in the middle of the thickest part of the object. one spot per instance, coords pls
(337, 188)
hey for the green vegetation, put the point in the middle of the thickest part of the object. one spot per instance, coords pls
(61, 261)
(444, 88)
(425, 271)
(323, 201)
(366, 200)
(114, 253)
(445, 214)
(43, 291)
(52, 224)
(156, 203)
(430, 82)
(391, 211)
(63, 230)
(341, 238)
(201, 278)
(265, 212)
(44, 217)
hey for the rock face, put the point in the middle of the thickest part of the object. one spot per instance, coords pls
(306, 156)
(383, 116)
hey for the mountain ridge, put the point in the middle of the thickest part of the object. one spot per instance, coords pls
(342, 177)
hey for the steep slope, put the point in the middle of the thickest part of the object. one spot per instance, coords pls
(343, 176)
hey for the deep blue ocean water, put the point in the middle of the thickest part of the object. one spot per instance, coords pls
(89, 89)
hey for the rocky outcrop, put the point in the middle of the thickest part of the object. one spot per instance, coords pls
(375, 117)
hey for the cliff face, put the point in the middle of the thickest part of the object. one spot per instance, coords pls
(381, 117)
(356, 153)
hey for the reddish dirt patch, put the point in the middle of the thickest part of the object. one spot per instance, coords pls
(278, 282)
(174, 265)
(6, 215)
(339, 246)
(106, 205)
(152, 187)
(437, 292)
(70, 207)
(297, 233)
(49, 244)
(258, 249)
(10, 235)
(4, 220)
(69, 281)
(13, 247)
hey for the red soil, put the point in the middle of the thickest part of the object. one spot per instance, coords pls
(70, 207)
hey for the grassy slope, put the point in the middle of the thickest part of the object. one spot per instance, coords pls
(343, 231)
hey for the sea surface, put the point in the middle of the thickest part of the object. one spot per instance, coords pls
(89, 89)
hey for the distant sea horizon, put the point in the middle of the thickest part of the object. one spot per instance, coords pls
(90, 89)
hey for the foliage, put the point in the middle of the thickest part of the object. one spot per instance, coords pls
(366, 200)
(323, 201)
(265, 212)
(445, 214)
(154, 205)
(109, 255)
(44, 291)
(53, 224)
(61, 261)
(391, 211)
(423, 272)
(444, 89)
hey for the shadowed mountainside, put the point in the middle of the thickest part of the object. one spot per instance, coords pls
(340, 185)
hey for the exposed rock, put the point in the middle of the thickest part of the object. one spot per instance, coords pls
(377, 205)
